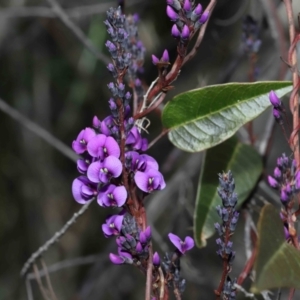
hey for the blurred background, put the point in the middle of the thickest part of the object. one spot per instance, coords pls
(51, 86)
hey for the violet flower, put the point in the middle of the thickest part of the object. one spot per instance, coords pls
(81, 142)
(102, 146)
(83, 190)
(182, 246)
(113, 225)
(149, 181)
(103, 171)
(112, 195)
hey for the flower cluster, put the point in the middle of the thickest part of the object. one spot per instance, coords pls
(250, 40)
(187, 18)
(133, 243)
(101, 163)
(278, 108)
(229, 216)
(285, 178)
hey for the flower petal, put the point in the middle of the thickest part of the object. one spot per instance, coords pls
(188, 243)
(113, 165)
(120, 195)
(112, 147)
(176, 241)
(95, 146)
(142, 181)
(93, 172)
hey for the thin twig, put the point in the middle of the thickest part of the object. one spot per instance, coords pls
(40, 284)
(149, 274)
(246, 294)
(48, 280)
(54, 239)
(28, 288)
(77, 32)
(154, 141)
(38, 130)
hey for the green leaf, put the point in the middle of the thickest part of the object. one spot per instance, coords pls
(277, 264)
(246, 166)
(200, 119)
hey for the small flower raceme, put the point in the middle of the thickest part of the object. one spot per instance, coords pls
(285, 179)
(250, 36)
(278, 108)
(187, 17)
(226, 228)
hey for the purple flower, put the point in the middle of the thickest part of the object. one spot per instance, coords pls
(83, 190)
(185, 32)
(103, 171)
(272, 182)
(96, 122)
(102, 146)
(171, 13)
(107, 124)
(149, 180)
(198, 9)
(277, 172)
(156, 259)
(187, 5)
(155, 60)
(115, 259)
(182, 246)
(276, 114)
(113, 225)
(175, 31)
(80, 144)
(204, 17)
(112, 195)
(135, 140)
(83, 164)
(165, 56)
(274, 99)
(141, 162)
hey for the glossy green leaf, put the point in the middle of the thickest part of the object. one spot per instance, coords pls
(277, 264)
(200, 119)
(246, 166)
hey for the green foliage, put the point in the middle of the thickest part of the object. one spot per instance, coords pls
(246, 166)
(202, 118)
(278, 263)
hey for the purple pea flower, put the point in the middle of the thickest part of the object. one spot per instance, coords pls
(156, 259)
(198, 9)
(204, 17)
(165, 56)
(185, 32)
(102, 146)
(112, 195)
(83, 164)
(187, 5)
(155, 60)
(135, 140)
(182, 246)
(83, 190)
(141, 162)
(175, 31)
(80, 144)
(107, 124)
(113, 225)
(171, 13)
(149, 180)
(116, 260)
(96, 122)
(275, 101)
(272, 182)
(103, 171)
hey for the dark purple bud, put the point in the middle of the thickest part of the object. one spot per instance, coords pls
(284, 197)
(274, 99)
(155, 60)
(185, 32)
(156, 260)
(286, 232)
(187, 5)
(143, 238)
(175, 4)
(165, 56)
(172, 14)
(148, 233)
(218, 229)
(272, 182)
(175, 31)
(204, 17)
